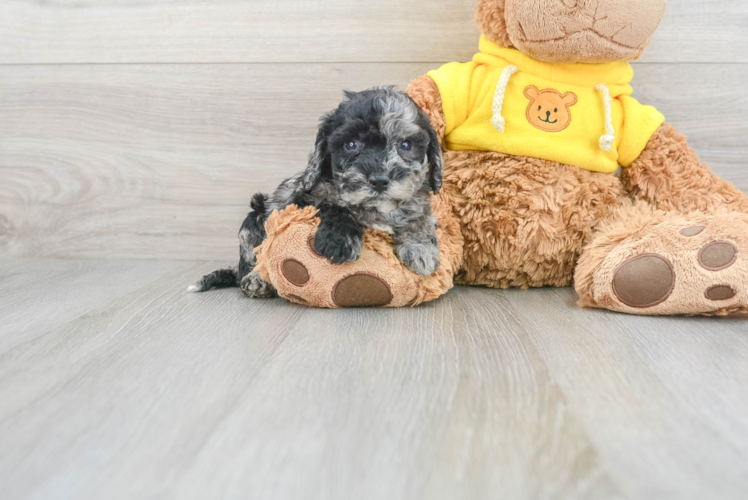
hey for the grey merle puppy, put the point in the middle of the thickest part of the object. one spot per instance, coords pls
(375, 161)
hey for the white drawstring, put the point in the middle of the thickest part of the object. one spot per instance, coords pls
(497, 120)
(606, 141)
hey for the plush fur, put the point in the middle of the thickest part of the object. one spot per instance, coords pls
(636, 228)
(508, 221)
(291, 230)
(375, 163)
(669, 175)
(590, 31)
(531, 223)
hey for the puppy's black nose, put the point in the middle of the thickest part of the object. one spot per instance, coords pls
(379, 183)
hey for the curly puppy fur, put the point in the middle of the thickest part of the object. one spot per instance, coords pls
(375, 162)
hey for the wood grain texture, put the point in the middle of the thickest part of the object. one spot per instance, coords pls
(483, 394)
(227, 31)
(705, 31)
(38, 297)
(659, 380)
(114, 383)
(161, 160)
(118, 31)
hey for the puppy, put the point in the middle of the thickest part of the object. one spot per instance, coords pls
(375, 162)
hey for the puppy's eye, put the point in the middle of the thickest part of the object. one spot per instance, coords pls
(351, 145)
(555, 110)
(406, 145)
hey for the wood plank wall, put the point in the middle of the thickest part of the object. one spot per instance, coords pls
(141, 129)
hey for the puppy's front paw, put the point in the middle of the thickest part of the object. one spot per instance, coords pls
(338, 246)
(255, 287)
(421, 258)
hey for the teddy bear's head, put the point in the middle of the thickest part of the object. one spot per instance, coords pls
(571, 31)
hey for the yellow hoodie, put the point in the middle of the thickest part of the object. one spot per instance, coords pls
(576, 114)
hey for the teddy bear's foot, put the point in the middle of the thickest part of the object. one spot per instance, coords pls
(305, 277)
(686, 264)
(289, 259)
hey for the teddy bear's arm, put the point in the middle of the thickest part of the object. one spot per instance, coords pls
(669, 175)
(425, 93)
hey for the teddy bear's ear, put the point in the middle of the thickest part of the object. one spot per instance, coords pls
(532, 92)
(490, 16)
(569, 98)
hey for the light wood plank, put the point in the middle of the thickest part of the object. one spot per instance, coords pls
(161, 161)
(298, 31)
(38, 296)
(139, 148)
(704, 31)
(650, 392)
(455, 403)
(482, 394)
(305, 31)
(162, 394)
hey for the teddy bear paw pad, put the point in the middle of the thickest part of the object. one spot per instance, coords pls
(644, 281)
(295, 272)
(692, 231)
(720, 292)
(679, 266)
(362, 290)
(718, 256)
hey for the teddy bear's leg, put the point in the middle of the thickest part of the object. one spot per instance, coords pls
(289, 259)
(669, 175)
(679, 249)
(646, 261)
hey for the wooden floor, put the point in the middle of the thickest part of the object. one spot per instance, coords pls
(115, 383)
(140, 129)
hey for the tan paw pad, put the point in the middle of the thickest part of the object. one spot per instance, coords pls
(644, 281)
(297, 299)
(720, 292)
(362, 290)
(295, 272)
(718, 255)
(310, 243)
(692, 231)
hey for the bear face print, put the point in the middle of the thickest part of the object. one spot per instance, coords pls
(548, 109)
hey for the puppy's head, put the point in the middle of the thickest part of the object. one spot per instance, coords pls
(377, 149)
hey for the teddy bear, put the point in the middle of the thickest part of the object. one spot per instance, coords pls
(553, 176)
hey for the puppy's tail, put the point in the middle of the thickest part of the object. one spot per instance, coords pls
(251, 235)
(223, 278)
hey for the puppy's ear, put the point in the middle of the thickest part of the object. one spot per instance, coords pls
(434, 155)
(320, 160)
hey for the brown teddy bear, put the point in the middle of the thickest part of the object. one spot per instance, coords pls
(534, 130)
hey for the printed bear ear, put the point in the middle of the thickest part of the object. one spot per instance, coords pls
(569, 98)
(532, 92)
